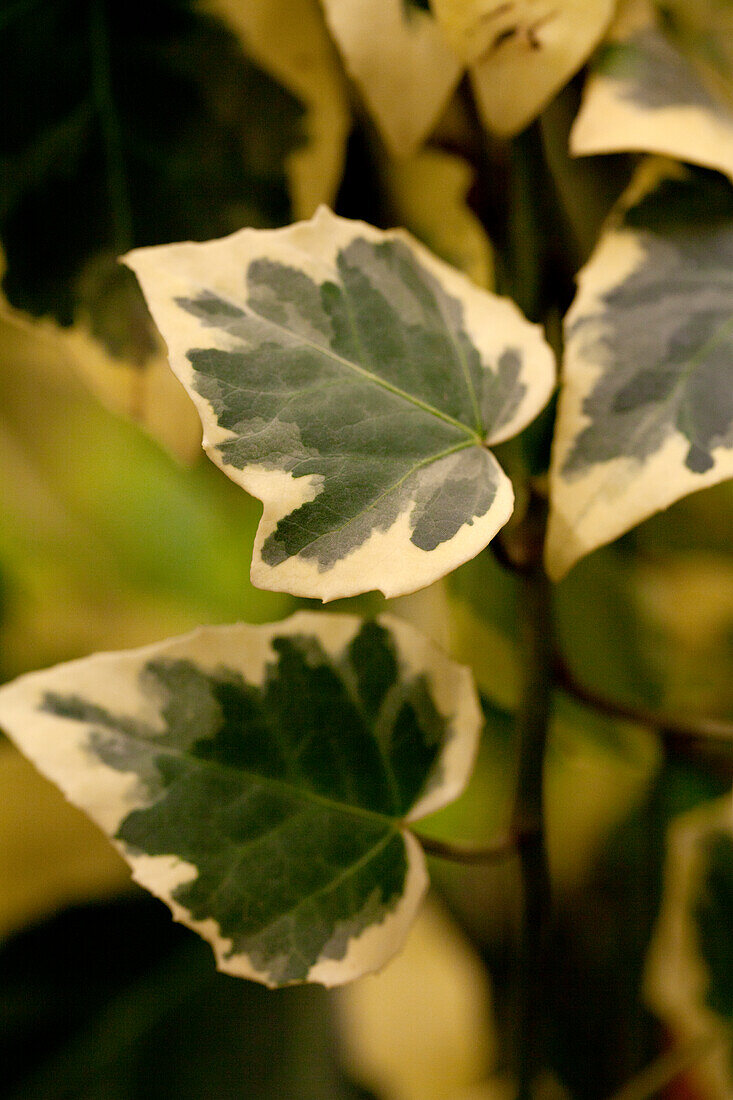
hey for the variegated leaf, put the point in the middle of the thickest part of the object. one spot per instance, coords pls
(689, 979)
(351, 381)
(521, 52)
(259, 779)
(646, 408)
(397, 55)
(644, 95)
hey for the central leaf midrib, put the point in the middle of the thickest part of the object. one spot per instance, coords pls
(279, 784)
(356, 368)
(386, 492)
(328, 887)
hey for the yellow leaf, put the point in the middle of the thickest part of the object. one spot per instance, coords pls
(521, 52)
(428, 194)
(421, 1029)
(147, 393)
(677, 976)
(401, 63)
(51, 855)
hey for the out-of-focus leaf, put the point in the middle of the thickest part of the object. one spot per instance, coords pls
(422, 1029)
(289, 39)
(605, 630)
(599, 771)
(115, 1002)
(689, 979)
(427, 194)
(704, 30)
(646, 408)
(401, 63)
(258, 779)
(603, 1032)
(146, 392)
(702, 523)
(129, 126)
(104, 541)
(688, 599)
(50, 854)
(352, 381)
(522, 52)
(644, 96)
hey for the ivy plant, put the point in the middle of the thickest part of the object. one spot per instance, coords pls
(449, 284)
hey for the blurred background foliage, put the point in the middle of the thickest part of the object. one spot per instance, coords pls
(129, 124)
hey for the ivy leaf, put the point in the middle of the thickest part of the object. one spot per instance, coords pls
(646, 409)
(129, 126)
(689, 978)
(350, 380)
(397, 55)
(143, 390)
(522, 52)
(643, 95)
(259, 779)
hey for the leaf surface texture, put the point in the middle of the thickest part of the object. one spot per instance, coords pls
(351, 381)
(258, 779)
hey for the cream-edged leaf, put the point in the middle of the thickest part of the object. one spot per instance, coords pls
(644, 96)
(522, 52)
(646, 407)
(351, 381)
(289, 39)
(260, 779)
(688, 977)
(401, 63)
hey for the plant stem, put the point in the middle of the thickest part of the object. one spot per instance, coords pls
(501, 848)
(668, 1067)
(533, 716)
(687, 735)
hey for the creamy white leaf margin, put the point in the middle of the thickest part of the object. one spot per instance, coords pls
(595, 507)
(520, 53)
(634, 112)
(57, 747)
(400, 62)
(388, 560)
(675, 978)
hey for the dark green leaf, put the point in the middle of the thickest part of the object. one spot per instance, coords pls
(128, 125)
